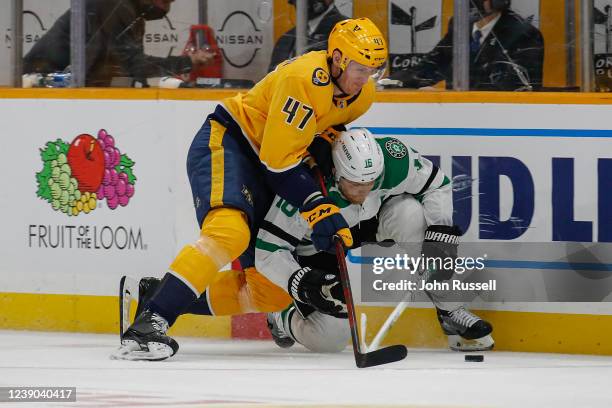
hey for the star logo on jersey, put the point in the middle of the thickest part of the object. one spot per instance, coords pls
(320, 77)
(396, 148)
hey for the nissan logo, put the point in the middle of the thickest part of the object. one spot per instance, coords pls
(237, 36)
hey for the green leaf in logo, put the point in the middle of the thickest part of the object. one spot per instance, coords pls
(125, 166)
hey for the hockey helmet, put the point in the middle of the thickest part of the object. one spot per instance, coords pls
(357, 156)
(358, 40)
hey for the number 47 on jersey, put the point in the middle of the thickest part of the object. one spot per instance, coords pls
(293, 111)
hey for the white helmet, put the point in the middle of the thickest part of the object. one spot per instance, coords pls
(357, 157)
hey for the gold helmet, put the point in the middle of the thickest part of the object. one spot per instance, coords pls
(358, 40)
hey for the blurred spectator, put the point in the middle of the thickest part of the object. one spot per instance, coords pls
(322, 17)
(506, 53)
(114, 44)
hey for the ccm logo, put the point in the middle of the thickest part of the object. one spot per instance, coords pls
(321, 212)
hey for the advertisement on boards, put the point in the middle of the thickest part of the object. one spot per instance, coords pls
(532, 195)
(92, 194)
(102, 191)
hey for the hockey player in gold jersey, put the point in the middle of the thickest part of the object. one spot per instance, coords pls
(251, 148)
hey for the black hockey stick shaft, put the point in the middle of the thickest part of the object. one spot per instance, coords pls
(362, 360)
(348, 296)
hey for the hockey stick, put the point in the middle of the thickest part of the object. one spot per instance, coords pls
(128, 290)
(384, 355)
(364, 325)
(388, 324)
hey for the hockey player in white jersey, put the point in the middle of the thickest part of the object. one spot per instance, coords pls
(377, 182)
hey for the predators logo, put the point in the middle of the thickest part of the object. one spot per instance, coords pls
(247, 194)
(320, 77)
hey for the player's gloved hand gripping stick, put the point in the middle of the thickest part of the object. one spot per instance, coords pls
(384, 355)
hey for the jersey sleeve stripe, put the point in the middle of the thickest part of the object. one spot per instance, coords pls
(268, 246)
(432, 176)
(278, 232)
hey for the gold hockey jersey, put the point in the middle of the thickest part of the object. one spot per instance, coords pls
(282, 113)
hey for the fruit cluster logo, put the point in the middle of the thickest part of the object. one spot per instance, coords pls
(76, 176)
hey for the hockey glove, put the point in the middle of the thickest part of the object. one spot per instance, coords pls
(321, 147)
(441, 242)
(325, 220)
(319, 289)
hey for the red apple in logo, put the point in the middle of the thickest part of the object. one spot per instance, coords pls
(86, 159)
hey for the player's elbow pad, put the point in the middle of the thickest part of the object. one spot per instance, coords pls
(294, 185)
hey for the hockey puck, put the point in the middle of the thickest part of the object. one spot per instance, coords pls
(474, 357)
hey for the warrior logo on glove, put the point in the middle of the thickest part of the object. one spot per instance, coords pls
(319, 289)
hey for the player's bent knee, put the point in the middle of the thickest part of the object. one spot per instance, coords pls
(225, 235)
(402, 219)
(325, 334)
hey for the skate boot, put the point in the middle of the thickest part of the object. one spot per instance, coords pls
(146, 339)
(465, 330)
(276, 327)
(128, 288)
(146, 288)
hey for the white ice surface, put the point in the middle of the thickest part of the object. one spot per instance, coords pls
(249, 373)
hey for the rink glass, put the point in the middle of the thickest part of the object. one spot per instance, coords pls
(245, 34)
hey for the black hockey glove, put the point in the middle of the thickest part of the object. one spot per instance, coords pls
(440, 246)
(321, 147)
(320, 289)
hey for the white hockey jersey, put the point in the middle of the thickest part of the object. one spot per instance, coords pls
(284, 232)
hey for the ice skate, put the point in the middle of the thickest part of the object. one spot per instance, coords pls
(146, 288)
(128, 288)
(465, 330)
(276, 327)
(146, 339)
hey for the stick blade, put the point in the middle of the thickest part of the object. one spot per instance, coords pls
(128, 290)
(381, 356)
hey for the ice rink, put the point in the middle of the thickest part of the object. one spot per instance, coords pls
(209, 373)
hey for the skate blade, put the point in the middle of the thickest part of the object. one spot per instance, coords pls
(131, 351)
(458, 343)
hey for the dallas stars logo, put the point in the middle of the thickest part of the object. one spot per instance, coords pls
(396, 148)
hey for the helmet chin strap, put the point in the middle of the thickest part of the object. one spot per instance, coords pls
(334, 80)
(344, 94)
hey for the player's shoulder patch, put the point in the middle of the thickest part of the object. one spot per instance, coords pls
(320, 77)
(396, 148)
